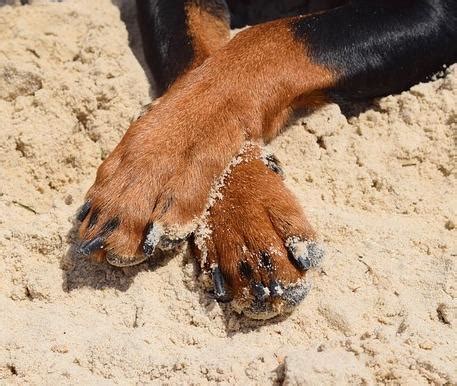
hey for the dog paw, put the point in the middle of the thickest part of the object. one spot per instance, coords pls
(255, 240)
(151, 188)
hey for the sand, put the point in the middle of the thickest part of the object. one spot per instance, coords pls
(379, 187)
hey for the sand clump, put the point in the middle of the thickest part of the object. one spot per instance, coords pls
(379, 188)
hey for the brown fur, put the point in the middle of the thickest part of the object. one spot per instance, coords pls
(256, 214)
(164, 166)
(265, 68)
(208, 32)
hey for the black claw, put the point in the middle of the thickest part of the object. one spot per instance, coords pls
(301, 262)
(219, 285)
(93, 218)
(150, 241)
(260, 292)
(83, 211)
(110, 226)
(246, 270)
(169, 244)
(88, 247)
(274, 164)
(275, 288)
(305, 263)
(91, 246)
(265, 261)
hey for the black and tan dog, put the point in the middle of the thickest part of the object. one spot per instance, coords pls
(221, 99)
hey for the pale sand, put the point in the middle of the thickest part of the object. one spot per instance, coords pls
(380, 189)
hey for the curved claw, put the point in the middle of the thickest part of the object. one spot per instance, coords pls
(88, 247)
(273, 164)
(301, 261)
(260, 292)
(83, 211)
(158, 237)
(276, 289)
(304, 254)
(219, 285)
(152, 239)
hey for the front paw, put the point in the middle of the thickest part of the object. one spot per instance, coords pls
(152, 187)
(256, 241)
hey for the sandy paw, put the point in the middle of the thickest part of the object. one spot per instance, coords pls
(154, 185)
(255, 240)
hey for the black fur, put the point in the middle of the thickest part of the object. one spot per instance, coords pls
(251, 12)
(167, 46)
(376, 47)
(216, 8)
(166, 40)
(382, 47)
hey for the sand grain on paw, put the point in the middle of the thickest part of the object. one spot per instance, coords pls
(379, 188)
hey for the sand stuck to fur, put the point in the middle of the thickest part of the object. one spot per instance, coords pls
(380, 188)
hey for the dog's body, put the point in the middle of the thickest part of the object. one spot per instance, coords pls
(218, 94)
(375, 47)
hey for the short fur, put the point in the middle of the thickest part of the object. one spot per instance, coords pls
(217, 94)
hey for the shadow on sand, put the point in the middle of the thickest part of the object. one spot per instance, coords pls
(80, 272)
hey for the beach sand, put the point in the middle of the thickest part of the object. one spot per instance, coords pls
(379, 187)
